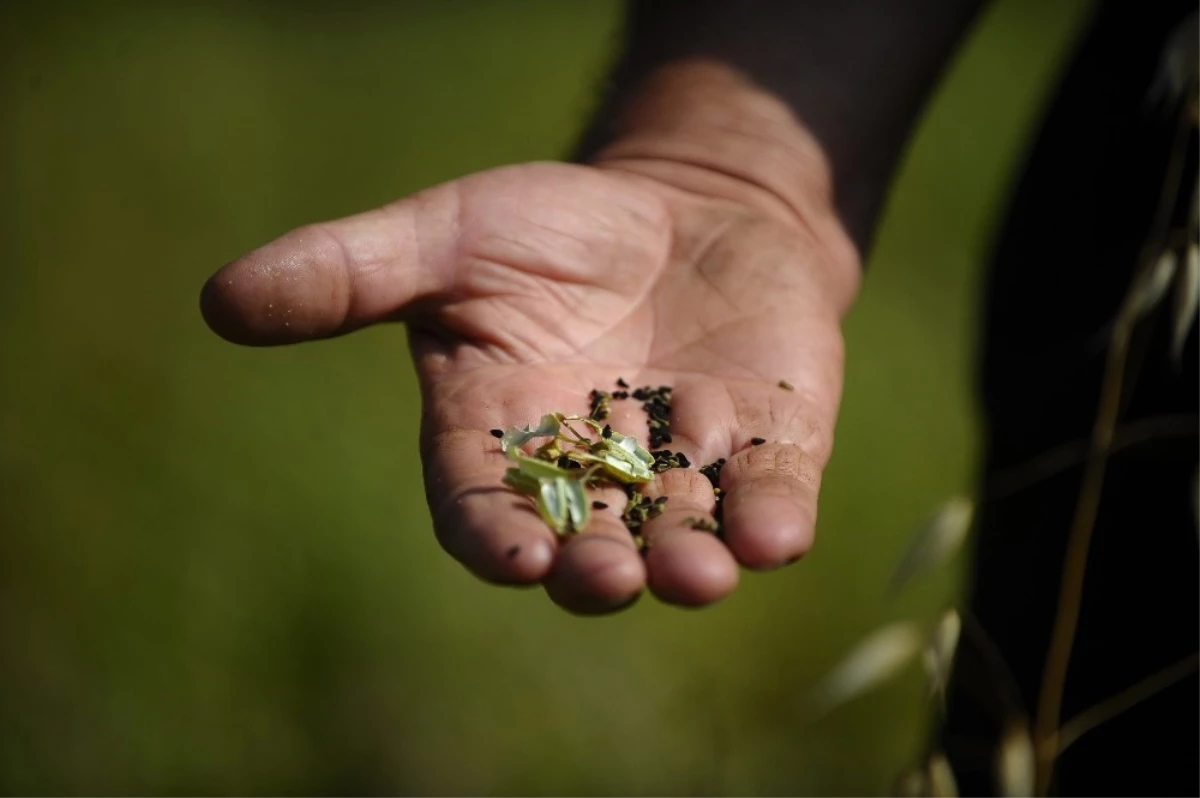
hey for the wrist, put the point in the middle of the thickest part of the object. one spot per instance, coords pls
(701, 127)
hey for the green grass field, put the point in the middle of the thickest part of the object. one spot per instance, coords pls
(217, 573)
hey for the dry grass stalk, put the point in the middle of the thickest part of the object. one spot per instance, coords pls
(935, 541)
(942, 783)
(1153, 287)
(877, 657)
(1128, 698)
(1062, 640)
(1024, 763)
(1016, 762)
(938, 655)
(1186, 301)
(911, 783)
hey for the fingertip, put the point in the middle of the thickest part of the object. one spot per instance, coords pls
(690, 569)
(219, 307)
(767, 532)
(595, 575)
(518, 561)
(293, 289)
(495, 538)
(523, 563)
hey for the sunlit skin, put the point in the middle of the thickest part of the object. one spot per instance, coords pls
(525, 287)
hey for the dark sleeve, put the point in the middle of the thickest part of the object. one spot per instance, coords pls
(855, 73)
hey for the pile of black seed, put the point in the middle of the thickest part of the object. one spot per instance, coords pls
(657, 404)
(713, 472)
(655, 401)
(641, 508)
(665, 459)
(599, 401)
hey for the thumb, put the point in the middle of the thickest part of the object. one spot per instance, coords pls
(330, 278)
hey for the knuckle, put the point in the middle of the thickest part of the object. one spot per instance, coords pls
(780, 461)
(683, 484)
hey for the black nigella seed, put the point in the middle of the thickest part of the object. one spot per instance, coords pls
(599, 401)
(713, 472)
(599, 506)
(757, 441)
(564, 462)
(607, 431)
(683, 461)
(497, 433)
(661, 500)
(621, 383)
(640, 394)
(513, 552)
(666, 436)
(620, 394)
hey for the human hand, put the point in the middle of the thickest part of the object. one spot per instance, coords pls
(524, 288)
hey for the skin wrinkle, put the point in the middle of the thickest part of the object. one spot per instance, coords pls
(345, 296)
(690, 495)
(607, 240)
(704, 275)
(702, 257)
(704, 90)
(759, 465)
(586, 244)
(512, 285)
(706, 341)
(449, 398)
(638, 301)
(521, 268)
(756, 421)
(524, 343)
(537, 265)
(708, 451)
(736, 365)
(580, 349)
(642, 358)
(781, 206)
(572, 301)
(455, 191)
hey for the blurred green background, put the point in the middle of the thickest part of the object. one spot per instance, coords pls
(217, 573)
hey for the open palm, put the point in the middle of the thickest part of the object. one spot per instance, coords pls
(526, 287)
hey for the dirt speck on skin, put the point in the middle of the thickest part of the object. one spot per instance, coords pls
(513, 552)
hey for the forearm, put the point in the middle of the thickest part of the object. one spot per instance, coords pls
(848, 80)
